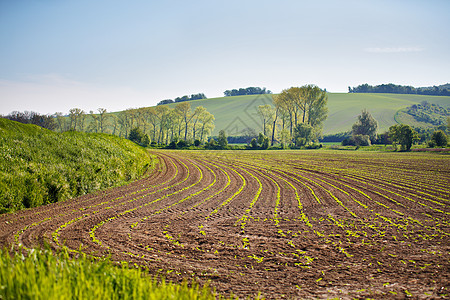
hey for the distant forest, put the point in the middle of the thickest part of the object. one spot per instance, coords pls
(184, 98)
(441, 90)
(246, 91)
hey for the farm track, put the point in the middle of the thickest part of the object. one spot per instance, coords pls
(286, 224)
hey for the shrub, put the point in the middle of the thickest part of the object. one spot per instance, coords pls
(145, 140)
(135, 135)
(265, 143)
(222, 140)
(439, 138)
(361, 140)
(181, 144)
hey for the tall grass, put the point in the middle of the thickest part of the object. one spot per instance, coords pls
(39, 166)
(44, 275)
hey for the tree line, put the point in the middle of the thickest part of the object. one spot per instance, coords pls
(160, 124)
(442, 90)
(246, 91)
(183, 99)
(31, 117)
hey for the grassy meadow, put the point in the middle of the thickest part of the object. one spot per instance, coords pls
(39, 166)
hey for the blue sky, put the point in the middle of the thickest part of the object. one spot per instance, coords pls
(56, 55)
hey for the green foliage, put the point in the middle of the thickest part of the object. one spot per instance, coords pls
(366, 125)
(182, 144)
(439, 138)
(428, 113)
(303, 134)
(190, 98)
(261, 137)
(145, 140)
(222, 140)
(212, 145)
(135, 135)
(442, 90)
(361, 140)
(404, 135)
(254, 144)
(246, 91)
(39, 166)
(265, 143)
(44, 275)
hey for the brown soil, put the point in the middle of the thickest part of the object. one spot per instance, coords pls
(290, 225)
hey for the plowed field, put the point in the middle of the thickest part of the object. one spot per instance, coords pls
(294, 224)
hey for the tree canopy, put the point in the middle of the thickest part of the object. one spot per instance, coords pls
(246, 91)
(306, 104)
(442, 90)
(404, 135)
(183, 99)
(366, 125)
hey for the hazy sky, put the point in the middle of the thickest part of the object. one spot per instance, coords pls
(56, 54)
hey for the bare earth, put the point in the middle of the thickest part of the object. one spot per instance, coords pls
(283, 224)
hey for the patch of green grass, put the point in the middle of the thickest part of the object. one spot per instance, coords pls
(39, 166)
(44, 275)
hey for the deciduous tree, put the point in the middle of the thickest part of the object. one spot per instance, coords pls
(366, 125)
(404, 135)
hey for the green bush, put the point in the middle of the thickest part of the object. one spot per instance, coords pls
(39, 166)
(439, 138)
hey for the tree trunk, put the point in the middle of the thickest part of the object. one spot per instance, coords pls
(274, 125)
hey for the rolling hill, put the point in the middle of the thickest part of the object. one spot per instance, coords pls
(233, 114)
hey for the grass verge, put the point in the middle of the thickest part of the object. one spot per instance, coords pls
(41, 274)
(39, 166)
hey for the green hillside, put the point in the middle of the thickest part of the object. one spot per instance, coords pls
(39, 166)
(236, 113)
